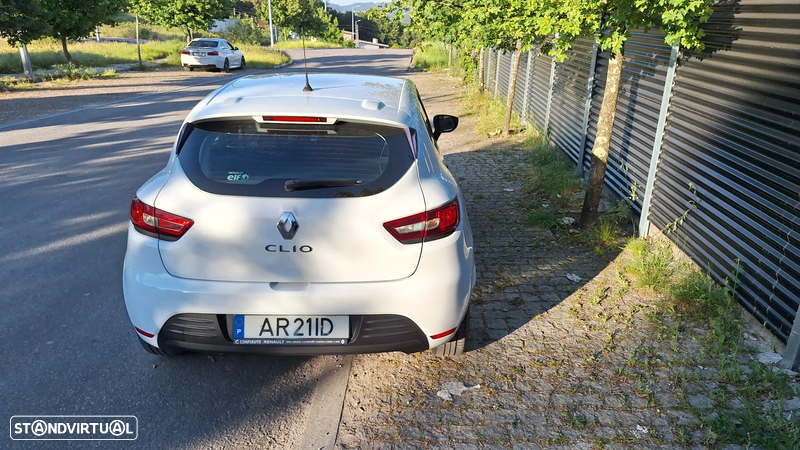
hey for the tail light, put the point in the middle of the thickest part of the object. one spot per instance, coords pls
(185, 52)
(293, 119)
(426, 226)
(215, 53)
(158, 223)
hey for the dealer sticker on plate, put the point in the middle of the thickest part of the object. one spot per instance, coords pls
(290, 330)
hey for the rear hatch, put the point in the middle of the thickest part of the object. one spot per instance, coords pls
(278, 202)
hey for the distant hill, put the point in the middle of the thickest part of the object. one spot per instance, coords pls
(358, 7)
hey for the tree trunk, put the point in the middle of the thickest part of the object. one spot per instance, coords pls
(602, 143)
(64, 47)
(449, 58)
(512, 89)
(27, 68)
(481, 72)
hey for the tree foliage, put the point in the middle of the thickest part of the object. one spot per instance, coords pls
(556, 24)
(22, 21)
(296, 15)
(245, 32)
(185, 14)
(74, 19)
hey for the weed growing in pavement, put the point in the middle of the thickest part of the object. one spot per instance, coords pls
(544, 220)
(651, 263)
(574, 421)
(550, 172)
(689, 296)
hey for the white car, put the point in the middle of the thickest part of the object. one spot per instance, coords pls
(207, 53)
(297, 222)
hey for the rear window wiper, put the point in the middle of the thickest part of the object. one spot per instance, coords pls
(302, 185)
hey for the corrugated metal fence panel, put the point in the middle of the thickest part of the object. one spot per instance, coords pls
(569, 98)
(540, 85)
(733, 134)
(491, 60)
(519, 94)
(638, 106)
(503, 75)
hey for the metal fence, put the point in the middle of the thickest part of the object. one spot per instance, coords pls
(709, 140)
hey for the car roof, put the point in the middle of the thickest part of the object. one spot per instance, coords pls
(367, 97)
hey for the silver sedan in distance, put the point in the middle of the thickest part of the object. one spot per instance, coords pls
(215, 54)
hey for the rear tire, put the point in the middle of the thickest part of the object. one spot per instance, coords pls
(456, 345)
(227, 66)
(155, 350)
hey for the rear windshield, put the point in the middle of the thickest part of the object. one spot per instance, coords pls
(203, 44)
(243, 157)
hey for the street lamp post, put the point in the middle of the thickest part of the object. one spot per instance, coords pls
(271, 31)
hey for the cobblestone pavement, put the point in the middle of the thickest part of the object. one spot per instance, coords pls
(559, 364)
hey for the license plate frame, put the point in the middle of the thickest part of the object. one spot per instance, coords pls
(278, 329)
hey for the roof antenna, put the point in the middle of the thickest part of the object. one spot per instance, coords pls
(307, 88)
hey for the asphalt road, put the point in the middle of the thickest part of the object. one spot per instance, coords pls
(68, 347)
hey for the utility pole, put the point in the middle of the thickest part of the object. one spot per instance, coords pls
(353, 24)
(138, 44)
(271, 31)
(97, 32)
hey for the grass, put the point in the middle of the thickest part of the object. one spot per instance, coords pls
(46, 53)
(146, 31)
(551, 172)
(309, 44)
(63, 72)
(491, 112)
(262, 58)
(430, 55)
(690, 296)
(651, 264)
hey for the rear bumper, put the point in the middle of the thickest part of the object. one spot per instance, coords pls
(202, 62)
(369, 334)
(432, 300)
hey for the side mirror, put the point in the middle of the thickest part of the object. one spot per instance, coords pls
(443, 124)
(236, 48)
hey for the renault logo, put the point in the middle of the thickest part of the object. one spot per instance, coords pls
(288, 225)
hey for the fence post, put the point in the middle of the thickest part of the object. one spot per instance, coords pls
(644, 223)
(550, 96)
(527, 86)
(791, 355)
(587, 108)
(511, 74)
(497, 76)
(488, 75)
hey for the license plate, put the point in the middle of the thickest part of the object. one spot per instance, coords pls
(289, 330)
(198, 54)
